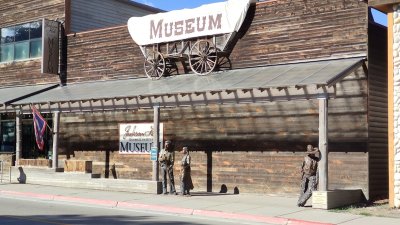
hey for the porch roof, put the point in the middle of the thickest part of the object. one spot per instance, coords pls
(12, 94)
(305, 80)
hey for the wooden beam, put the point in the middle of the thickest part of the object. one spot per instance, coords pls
(156, 140)
(390, 109)
(18, 126)
(56, 125)
(323, 145)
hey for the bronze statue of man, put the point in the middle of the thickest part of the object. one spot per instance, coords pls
(309, 177)
(166, 160)
(186, 178)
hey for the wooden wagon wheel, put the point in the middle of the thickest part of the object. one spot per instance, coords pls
(154, 65)
(203, 57)
(223, 63)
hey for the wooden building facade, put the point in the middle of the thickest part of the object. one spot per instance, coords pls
(252, 147)
(391, 53)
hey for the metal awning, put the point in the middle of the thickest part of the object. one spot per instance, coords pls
(12, 94)
(304, 80)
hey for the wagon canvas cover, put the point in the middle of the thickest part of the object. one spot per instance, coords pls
(211, 19)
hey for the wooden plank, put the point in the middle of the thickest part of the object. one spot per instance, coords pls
(391, 146)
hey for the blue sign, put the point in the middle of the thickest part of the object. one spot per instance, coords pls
(153, 153)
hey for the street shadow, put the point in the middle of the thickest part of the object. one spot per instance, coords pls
(209, 193)
(98, 220)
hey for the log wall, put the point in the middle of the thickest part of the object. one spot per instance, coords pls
(274, 32)
(254, 147)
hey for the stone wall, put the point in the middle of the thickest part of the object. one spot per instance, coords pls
(396, 100)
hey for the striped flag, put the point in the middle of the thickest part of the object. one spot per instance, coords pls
(40, 127)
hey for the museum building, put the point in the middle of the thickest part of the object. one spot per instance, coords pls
(293, 73)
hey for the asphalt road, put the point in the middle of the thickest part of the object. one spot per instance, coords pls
(18, 211)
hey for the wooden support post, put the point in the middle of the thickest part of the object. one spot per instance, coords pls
(323, 144)
(56, 123)
(18, 126)
(156, 140)
(391, 141)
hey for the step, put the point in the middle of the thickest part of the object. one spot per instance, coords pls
(48, 176)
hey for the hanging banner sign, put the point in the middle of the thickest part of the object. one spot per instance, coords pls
(50, 46)
(137, 138)
(211, 19)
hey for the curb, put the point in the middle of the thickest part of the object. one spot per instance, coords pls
(162, 208)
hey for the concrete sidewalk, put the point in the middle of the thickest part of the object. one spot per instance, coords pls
(249, 207)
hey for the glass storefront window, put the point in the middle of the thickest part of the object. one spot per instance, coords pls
(8, 136)
(21, 50)
(36, 30)
(36, 48)
(22, 32)
(7, 53)
(21, 42)
(7, 35)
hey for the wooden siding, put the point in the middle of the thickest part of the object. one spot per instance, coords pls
(22, 11)
(378, 111)
(290, 30)
(229, 140)
(102, 55)
(248, 144)
(275, 32)
(89, 15)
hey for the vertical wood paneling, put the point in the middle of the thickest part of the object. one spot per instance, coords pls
(377, 111)
(89, 15)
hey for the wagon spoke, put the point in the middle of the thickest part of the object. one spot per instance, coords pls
(202, 57)
(196, 58)
(199, 65)
(154, 65)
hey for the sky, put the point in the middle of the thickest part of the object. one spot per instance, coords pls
(169, 5)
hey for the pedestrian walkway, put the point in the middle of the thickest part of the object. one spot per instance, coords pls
(249, 207)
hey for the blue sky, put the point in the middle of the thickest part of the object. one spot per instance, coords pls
(169, 5)
(379, 17)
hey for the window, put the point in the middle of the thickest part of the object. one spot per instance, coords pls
(21, 42)
(8, 136)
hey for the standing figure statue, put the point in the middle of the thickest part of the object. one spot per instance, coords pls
(166, 160)
(309, 177)
(186, 178)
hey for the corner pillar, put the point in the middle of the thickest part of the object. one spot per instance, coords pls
(56, 123)
(323, 144)
(156, 140)
(18, 136)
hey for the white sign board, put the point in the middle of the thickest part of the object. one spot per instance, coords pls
(211, 19)
(137, 138)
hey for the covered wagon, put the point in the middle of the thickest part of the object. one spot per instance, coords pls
(201, 37)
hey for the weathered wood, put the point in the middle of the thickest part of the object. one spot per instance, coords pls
(89, 15)
(377, 111)
(19, 12)
(323, 145)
